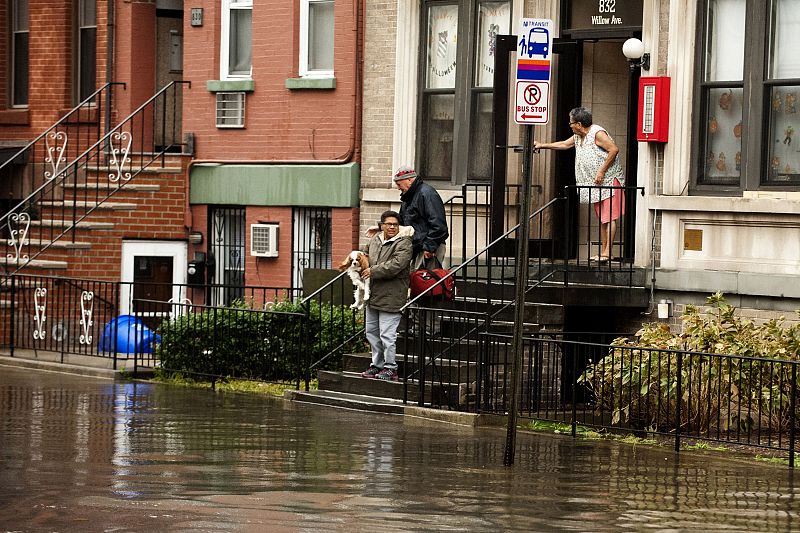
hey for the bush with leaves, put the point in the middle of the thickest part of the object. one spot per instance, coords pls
(745, 386)
(237, 341)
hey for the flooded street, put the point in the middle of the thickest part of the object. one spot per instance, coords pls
(85, 454)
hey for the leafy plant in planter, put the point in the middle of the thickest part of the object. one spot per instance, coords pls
(744, 387)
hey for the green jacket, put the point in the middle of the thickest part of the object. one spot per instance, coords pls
(390, 267)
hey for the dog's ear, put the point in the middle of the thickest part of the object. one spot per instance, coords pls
(363, 260)
(345, 264)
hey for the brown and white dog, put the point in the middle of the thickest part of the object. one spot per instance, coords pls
(354, 264)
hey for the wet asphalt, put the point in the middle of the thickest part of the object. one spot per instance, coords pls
(87, 454)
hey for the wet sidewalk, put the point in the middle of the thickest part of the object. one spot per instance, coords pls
(81, 453)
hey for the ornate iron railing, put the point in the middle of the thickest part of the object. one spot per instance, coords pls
(57, 206)
(44, 158)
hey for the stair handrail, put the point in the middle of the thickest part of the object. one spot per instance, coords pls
(101, 141)
(60, 121)
(475, 256)
(119, 159)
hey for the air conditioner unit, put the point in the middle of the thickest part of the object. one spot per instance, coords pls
(264, 240)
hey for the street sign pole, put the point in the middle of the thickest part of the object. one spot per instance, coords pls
(519, 310)
(531, 106)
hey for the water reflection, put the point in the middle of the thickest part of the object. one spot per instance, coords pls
(77, 450)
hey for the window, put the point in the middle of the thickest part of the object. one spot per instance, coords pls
(87, 44)
(316, 38)
(312, 241)
(227, 254)
(236, 58)
(19, 53)
(455, 111)
(230, 110)
(747, 147)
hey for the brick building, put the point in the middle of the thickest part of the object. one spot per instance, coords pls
(257, 133)
(719, 209)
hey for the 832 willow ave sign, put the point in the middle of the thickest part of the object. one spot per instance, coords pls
(598, 14)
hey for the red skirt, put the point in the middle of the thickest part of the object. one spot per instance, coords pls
(613, 207)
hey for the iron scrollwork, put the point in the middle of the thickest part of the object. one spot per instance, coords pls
(56, 153)
(87, 308)
(18, 226)
(119, 155)
(40, 307)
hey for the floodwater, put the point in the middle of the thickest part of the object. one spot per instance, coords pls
(84, 454)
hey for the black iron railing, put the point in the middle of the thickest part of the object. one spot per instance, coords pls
(57, 206)
(676, 395)
(64, 319)
(51, 152)
(335, 326)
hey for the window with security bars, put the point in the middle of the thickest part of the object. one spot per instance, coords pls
(227, 253)
(311, 241)
(230, 110)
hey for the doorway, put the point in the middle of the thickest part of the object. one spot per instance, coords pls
(153, 277)
(607, 86)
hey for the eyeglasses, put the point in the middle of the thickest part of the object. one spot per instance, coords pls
(573, 123)
(391, 224)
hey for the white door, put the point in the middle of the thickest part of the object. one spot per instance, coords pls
(153, 273)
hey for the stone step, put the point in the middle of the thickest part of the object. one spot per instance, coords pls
(100, 186)
(105, 170)
(446, 370)
(34, 263)
(84, 224)
(82, 204)
(361, 402)
(63, 244)
(451, 395)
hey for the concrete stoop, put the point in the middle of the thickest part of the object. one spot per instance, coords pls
(382, 405)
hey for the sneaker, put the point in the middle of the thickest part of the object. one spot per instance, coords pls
(387, 374)
(371, 372)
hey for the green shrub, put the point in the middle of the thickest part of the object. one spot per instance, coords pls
(638, 379)
(239, 341)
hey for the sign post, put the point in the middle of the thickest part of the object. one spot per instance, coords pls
(531, 106)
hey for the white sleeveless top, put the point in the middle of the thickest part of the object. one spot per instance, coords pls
(588, 159)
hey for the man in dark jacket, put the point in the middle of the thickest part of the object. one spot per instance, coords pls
(422, 208)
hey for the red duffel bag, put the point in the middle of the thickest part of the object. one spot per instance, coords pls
(424, 278)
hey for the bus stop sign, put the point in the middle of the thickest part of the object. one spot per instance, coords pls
(534, 54)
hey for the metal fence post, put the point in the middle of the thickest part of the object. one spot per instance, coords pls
(574, 392)
(678, 403)
(13, 313)
(792, 415)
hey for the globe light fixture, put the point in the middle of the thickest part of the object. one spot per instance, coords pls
(633, 49)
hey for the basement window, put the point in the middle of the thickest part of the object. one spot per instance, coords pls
(230, 110)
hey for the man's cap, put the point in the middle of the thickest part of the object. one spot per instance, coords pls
(404, 172)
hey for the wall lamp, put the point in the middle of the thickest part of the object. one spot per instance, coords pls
(633, 49)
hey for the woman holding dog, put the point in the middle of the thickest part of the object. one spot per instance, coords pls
(389, 267)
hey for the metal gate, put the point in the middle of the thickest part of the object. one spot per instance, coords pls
(311, 241)
(226, 251)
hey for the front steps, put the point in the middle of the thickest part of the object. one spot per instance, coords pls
(151, 206)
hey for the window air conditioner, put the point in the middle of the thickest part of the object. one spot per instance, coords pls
(264, 240)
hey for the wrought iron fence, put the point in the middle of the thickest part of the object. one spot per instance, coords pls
(62, 317)
(673, 394)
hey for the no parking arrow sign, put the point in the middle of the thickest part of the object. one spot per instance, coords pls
(531, 102)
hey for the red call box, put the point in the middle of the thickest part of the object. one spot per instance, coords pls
(653, 123)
